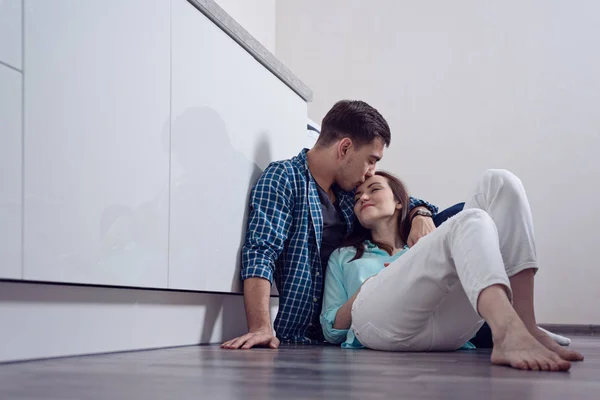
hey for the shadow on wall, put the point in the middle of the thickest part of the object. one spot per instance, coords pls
(262, 156)
(210, 185)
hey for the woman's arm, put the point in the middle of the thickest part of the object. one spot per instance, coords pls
(343, 317)
(335, 297)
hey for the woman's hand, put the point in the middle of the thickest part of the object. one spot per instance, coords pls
(421, 226)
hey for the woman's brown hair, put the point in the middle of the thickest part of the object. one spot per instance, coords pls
(357, 238)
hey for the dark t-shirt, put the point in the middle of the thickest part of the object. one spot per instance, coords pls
(334, 227)
(334, 230)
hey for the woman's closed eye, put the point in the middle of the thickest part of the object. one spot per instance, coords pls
(358, 197)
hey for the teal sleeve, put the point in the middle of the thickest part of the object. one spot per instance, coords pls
(335, 295)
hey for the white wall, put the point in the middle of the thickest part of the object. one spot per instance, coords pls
(470, 85)
(255, 16)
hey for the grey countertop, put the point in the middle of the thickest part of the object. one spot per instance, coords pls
(224, 21)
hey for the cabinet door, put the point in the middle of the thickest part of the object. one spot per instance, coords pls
(10, 33)
(96, 141)
(230, 118)
(10, 172)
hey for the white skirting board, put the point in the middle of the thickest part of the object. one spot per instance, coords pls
(49, 320)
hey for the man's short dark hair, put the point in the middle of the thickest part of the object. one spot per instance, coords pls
(356, 120)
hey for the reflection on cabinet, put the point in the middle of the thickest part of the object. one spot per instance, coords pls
(10, 33)
(230, 118)
(10, 173)
(96, 142)
(145, 126)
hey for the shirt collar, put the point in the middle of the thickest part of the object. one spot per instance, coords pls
(302, 158)
(370, 246)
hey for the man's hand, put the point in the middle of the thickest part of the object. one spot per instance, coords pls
(421, 226)
(263, 338)
(256, 300)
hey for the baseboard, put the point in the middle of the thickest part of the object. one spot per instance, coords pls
(573, 329)
(48, 320)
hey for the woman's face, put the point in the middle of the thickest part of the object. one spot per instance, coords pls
(374, 202)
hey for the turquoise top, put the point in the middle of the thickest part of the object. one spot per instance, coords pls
(343, 279)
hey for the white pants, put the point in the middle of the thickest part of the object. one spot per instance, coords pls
(426, 300)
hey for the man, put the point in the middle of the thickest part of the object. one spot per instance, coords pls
(300, 211)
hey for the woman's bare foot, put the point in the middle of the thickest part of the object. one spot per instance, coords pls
(550, 344)
(516, 347)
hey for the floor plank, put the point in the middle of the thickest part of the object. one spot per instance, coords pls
(295, 372)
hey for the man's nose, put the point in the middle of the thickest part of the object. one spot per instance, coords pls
(372, 170)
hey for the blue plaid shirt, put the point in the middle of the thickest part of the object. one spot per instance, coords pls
(283, 241)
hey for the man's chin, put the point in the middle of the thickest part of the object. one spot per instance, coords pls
(349, 188)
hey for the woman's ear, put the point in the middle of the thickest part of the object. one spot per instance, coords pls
(398, 205)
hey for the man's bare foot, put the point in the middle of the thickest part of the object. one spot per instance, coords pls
(516, 347)
(550, 344)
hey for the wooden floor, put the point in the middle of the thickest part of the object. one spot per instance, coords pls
(208, 372)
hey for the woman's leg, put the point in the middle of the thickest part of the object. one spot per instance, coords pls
(513, 343)
(483, 337)
(501, 194)
(427, 299)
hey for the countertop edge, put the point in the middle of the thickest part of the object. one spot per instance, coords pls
(232, 28)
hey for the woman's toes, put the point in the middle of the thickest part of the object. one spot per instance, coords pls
(544, 365)
(569, 355)
(521, 364)
(550, 344)
(575, 356)
(553, 365)
(533, 365)
(563, 365)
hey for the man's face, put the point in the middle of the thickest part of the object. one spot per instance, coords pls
(359, 164)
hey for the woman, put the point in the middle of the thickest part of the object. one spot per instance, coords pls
(436, 296)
